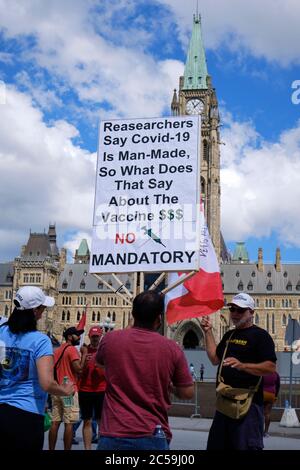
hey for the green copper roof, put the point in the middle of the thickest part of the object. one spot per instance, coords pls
(195, 71)
(240, 254)
(83, 249)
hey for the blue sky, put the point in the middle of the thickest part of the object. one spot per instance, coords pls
(66, 64)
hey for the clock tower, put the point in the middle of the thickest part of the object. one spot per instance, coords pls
(197, 96)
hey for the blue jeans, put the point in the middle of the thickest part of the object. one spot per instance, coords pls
(133, 443)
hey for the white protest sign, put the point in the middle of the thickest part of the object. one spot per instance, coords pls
(146, 212)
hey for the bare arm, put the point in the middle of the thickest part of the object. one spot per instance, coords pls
(262, 368)
(76, 366)
(210, 343)
(46, 379)
(185, 393)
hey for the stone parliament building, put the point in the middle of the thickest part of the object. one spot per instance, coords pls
(275, 287)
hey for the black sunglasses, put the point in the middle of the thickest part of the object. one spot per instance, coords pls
(238, 310)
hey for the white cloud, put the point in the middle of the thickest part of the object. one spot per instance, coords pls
(268, 28)
(43, 175)
(71, 42)
(260, 184)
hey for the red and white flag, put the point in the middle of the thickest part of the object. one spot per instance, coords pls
(202, 294)
(81, 326)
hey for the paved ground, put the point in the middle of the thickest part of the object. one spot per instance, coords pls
(191, 434)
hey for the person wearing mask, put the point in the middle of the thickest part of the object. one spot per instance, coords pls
(26, 373)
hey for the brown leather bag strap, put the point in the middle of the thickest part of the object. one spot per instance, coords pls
(220, 378)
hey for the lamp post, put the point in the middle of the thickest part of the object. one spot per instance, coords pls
(107, 324)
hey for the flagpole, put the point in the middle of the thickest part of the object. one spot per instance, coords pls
(179, 281)
(291, 364)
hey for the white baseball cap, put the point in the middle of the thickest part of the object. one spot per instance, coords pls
(243, 300)
(32, 297)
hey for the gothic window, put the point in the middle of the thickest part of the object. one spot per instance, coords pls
(257, 303)
(98, 317)
(289, 286)
(256, 319)
(273, 323)
(205, 151)
(38, 278)
(237, 274)
(285, 274)
(93, 301)
(70, 273)
(253, 274)
(290, 303)
(289, 317)
(284, 319)
(269, 286)
(78, 316)
(6, 311)
(64, 284)
(82, 284)
(269, 274)
(250, 286)
(63, 316)
(93, 316)
(115, 300)
(63, 301)
(268, 322)
(68, 315)
(114, 316)
(108, 315)
(266, 303)
(241, 286)
(31, 280)
(273, 303)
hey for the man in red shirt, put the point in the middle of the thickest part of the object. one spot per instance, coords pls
(67, 366)
(141, 368)
(92, 385)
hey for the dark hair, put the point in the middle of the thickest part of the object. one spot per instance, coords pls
(22, 321)
(147, 306)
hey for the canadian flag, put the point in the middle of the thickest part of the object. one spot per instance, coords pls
(202, 294)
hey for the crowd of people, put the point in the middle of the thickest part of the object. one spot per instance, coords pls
(122, 381)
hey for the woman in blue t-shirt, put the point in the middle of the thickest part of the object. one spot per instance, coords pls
(26, 372)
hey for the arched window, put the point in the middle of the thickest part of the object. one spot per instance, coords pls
(253, 274)
(241, 286)
(108, 315)
(250, 286)
(82, 284)
(115, 300)
(100, 285)
(237, 274)
(284, 319)
(64, 284)
(273, 323)
(273, 303)
(98, 317)
(6, 310)
(205, 151)
(93, 316)
(257, 303)
(269, 286)
(289, 286)
(114, 316)
(266, 302)
(78, 316)
(63, 316)
(63, 301)
(68, 315)
(268, 322)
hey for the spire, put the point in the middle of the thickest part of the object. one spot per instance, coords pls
(240, 254)
(195, 71)
(175, 104)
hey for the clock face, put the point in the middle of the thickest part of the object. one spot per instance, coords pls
(194, 106)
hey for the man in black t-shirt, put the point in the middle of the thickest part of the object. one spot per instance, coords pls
(250, 355)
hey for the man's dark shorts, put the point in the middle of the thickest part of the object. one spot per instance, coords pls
(237, 434)
(91, 404)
